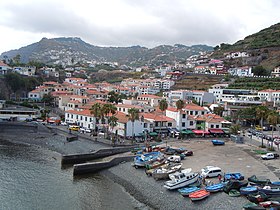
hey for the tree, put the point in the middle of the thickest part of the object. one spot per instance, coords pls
(219, 110)
(96, 111)
(133, 115)
(180, 104)
(163, 105)
(16, 59)
(112, 122)
(261, 113)
(114, 97)
(48, 99)
(108, 109)
(234, 129)
(260, 71)
(273, 120)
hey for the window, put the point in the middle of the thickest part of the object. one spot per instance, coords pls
(212, 126)
(145, 125)
(202, 113)
(191, 122)
(183, 124)
(191, 112)
(217, 126)
(169, 124)
(196, 112)
(85, 118)
(184, 116)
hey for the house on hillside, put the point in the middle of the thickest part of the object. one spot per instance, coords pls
(276, 72)
(4, 68)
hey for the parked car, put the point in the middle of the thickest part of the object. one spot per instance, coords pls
(269, 156)
(63, 123)
(174, 158)
(211, 171)
(74, 128)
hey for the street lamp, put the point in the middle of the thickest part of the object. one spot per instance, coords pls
(251, 132)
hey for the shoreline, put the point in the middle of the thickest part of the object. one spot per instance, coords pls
(145, 189)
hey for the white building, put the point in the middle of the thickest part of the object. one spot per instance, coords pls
(276, 72)
(244, 71)
(28, 70)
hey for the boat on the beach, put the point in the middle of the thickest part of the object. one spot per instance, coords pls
(274, 192)
(144, 159)
(234, 184)
(258, 197)
(187, 190)
(199, 195)
(270, 204)
(155, 164)
(214, 187)
(235, 176)
(163, 172)
(181, 179)
(248, 190)
(251, 206)
(216, 142)
(254, 180)
(234, 193)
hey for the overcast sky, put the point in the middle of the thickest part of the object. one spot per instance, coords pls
(134, 22)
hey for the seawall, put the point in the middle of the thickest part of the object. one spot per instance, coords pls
(81, 158)
(85, 168)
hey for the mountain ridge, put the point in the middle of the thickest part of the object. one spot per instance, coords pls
(64, 50)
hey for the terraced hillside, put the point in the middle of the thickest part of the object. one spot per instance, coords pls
(197, 81)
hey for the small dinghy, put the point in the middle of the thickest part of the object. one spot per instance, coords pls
(187, 190)
(217, 142)
(234, 193)
(251, 205)
(274, 192)
(254, 180)
(248, 190)
(199, 195)
(214, 187)
(269, 204)
(258, 197)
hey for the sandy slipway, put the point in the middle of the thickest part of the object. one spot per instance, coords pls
(231, 158)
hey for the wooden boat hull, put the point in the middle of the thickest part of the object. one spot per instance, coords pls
(199, 195)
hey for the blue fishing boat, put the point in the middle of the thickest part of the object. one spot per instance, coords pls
(217, 142)
(275, 184)
(248, 190)
(274, 192)
(214, 187)
(233, 176)
(143, 160)
(187, 190)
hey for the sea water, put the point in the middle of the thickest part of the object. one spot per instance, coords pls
(32, 178)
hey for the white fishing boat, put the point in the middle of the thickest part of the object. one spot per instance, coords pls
(181, 179)
(163, 172)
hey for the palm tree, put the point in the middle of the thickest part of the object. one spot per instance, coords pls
(112, 122)
(180, 104)
(108, 109)
(234, 129)
(133, 115)
(163, 105)
(261, 113)
(96, 111)
(273, 119)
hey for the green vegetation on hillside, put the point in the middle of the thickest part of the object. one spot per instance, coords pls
(256, 83)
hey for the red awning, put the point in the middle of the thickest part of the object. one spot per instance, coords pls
(200, 132)
(216, 131)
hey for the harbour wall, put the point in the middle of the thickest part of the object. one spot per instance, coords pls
(81, 158)
(86, 168)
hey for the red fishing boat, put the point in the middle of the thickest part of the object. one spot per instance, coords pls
(199, 195)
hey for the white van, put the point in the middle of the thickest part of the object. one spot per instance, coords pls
(211, 171)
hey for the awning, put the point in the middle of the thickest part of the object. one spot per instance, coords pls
(187, 132)
(153, 134)
(200, 132)
(216, 131)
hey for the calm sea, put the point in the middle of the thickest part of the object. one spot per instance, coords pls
(32, 178)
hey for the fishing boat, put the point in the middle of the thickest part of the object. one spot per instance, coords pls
(251, 205)
(187, 190)
(163, 172)
(268, 204)
(156, 164)
(234, 184)
(199, 195)
(273, 192)
(214, 187)
(187, 170)
(143, 160)
(254, 180)
(217, 142)
(181, 179)
(235, 175)
(275, 184)
(248, 190)
(234, 193)
(258, 197)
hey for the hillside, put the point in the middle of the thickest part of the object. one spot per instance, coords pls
(264, 48)
(68, 51)
(197, 81)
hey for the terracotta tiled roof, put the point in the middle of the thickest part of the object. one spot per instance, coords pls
(193, 106)
(156, 117)
(149, 96)
(85, 112)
